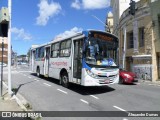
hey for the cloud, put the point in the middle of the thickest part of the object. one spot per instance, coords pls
(46, 11)
(90, 4)
(76, 4)
(21, 34)
(95, 4)
(69, 33)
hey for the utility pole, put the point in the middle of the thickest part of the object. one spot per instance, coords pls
(9, 47)
(2, 68)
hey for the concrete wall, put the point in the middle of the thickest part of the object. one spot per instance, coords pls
(155, 14)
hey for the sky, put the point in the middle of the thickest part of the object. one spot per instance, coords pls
(40, 21)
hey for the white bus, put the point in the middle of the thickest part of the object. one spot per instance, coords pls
(89, 58)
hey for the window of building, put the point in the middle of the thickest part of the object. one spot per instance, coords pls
(65, 48)
(130, 40)
(55, 50)
(141, 37)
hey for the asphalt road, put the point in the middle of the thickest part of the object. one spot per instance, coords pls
(47, 95)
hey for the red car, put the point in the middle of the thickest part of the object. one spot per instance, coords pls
(126, 76)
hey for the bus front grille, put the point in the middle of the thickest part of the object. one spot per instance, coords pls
(109, 77)
(105, 81)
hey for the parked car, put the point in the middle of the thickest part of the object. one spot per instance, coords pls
(4, 64)
(18, 63)
(126, 76)
(23, 63)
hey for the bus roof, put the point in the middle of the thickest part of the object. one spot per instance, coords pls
(79, 33)
(71, 36)
(64, 38)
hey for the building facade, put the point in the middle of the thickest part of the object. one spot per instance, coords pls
(4, 20)
(139, 41)
(155, 14)
(5, 49)
(109, 22)
(118, 7)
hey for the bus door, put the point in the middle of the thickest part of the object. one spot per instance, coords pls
(46, 62)
(32, 59)
(77, 60)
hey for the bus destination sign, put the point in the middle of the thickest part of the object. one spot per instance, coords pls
(103, 37)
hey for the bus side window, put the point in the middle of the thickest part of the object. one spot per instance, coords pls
(41, 52)
(36, 53)
(65, 48)
(55, 50)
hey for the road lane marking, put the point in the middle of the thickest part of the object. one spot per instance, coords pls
(119, 108)
(36, 79)
(94, 97)
(25, 71)
(24, 75)
(62, 91)
(29, 77)
(151, 84)
(46, 84)
(84, 101)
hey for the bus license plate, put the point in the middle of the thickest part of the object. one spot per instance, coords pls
(106, 81)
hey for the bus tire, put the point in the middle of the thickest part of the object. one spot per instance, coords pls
(38, 72)
(65, 80)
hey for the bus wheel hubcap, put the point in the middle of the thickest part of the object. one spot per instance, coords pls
(64, 79)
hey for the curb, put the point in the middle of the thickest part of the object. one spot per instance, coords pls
(22, 102)
(145, 81)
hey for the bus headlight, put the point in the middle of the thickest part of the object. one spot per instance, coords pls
(91, 74)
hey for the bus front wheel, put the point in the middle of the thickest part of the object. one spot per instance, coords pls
(65, 80)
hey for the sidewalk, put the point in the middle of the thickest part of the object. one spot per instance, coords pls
(9, 103)
(150, 82)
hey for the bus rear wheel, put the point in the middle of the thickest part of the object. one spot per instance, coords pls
(38, 72)
(65, 80)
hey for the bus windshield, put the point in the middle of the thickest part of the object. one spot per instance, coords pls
(101, 52)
